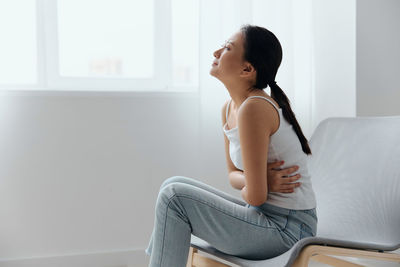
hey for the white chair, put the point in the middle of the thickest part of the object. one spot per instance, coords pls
(355, 170)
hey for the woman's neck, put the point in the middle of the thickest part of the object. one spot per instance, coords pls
(239, 98)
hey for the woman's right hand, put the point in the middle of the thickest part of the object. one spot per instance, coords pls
(279, 180)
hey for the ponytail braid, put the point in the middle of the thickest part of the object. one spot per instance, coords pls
(280, 97)
(263, 50)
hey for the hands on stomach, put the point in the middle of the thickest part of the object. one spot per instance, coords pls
(280, 180)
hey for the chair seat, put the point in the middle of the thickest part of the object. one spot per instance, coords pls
(356, 178)
(287, 258)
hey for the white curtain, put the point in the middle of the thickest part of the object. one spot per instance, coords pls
(289, 20)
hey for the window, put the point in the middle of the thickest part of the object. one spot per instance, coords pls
(185, 42)
(103, 38)
(18, 49)
(128, 45)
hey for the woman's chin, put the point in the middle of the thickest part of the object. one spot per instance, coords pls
(213, 72)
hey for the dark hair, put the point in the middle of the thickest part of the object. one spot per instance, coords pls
(263, 50)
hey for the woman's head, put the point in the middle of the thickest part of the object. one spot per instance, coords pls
(253, 61)
(246, 53)
(263, 51)
(230, 66)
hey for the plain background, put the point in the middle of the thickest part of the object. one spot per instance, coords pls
(80, 172)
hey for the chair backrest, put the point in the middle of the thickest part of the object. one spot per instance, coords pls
(355, 168)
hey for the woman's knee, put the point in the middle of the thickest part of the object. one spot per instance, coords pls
(173, 179)
(172, 189)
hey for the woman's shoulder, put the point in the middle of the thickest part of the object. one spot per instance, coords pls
(257, 108)
(258, 113)
(259, 105)
(255, 96)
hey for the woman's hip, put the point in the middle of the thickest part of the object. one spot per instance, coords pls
(297, 224)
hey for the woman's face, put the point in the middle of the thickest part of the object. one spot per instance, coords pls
(229, 63)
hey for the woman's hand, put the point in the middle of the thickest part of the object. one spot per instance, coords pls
(279, 180)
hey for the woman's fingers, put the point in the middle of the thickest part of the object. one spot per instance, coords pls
(289, 186)
(292, 178)
(274, 164)
(289, 170)
(287, 191)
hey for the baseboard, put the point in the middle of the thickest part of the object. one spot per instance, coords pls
(122, 258)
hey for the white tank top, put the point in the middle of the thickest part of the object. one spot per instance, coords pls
(284, 145)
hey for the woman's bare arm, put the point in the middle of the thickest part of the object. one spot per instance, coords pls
(276, 180)
(236, 178)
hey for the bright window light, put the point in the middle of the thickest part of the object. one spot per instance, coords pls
(185, 48)
(106, 38)
(18, 48)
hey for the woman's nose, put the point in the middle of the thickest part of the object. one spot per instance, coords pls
(217, 53)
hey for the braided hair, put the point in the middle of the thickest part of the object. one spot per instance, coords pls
(263, 50)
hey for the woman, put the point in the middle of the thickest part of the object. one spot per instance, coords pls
(258, 128)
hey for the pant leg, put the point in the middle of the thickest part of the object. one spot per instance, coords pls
(183, 209)
(199, 184)
(188, 180)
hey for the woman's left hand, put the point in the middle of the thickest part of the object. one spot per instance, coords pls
(279, 180)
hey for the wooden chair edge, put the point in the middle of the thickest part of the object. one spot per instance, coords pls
(197, 260)
(322, 254)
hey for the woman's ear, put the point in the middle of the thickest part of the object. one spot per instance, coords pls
(248, 71)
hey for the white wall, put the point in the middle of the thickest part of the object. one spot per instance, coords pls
(80, 172)
(334, 68)
(378, 57)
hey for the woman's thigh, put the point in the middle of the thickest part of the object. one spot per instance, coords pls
(229, 227)
(194, 182)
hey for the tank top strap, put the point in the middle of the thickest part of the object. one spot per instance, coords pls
(227, 109)
(272, 103)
